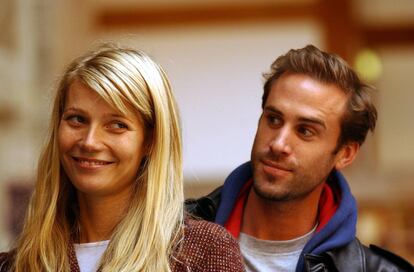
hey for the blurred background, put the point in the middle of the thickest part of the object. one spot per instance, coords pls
(215, 52)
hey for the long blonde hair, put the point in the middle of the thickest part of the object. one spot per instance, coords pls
(145, 238)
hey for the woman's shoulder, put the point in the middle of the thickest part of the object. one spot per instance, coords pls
(209, 247)
(201, 229)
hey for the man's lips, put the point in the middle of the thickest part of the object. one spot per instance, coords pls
(277, 165)
(275, 169)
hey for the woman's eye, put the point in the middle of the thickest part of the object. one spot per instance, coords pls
(118, 126)
(75, 119)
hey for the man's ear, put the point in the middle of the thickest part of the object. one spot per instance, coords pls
(346, 155)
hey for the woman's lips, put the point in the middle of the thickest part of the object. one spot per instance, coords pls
(88, 163)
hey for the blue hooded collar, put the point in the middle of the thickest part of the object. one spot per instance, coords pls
(339, 231)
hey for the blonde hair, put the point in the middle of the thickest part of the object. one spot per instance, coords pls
(146, 237)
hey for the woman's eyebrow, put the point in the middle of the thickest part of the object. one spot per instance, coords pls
(73, 109)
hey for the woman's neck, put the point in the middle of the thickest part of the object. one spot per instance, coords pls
(99, 215)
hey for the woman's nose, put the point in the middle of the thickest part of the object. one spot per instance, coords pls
(91, 140)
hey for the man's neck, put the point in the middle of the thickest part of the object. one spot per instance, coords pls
(280, 220)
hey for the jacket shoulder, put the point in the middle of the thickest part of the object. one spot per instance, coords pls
(357, 257)
(209, 237)
(380, 259)
(204, 207)
(208, 247)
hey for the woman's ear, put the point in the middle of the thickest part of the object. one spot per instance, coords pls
(346, 155)
(149, 139)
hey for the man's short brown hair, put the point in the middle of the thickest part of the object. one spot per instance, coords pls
(360, 114)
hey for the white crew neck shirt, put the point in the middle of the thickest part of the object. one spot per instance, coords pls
(89, 255)
(264, 255)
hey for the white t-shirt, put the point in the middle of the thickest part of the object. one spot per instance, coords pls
(263, 255)
(89, 255)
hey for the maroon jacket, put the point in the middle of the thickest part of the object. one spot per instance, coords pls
(206, 247)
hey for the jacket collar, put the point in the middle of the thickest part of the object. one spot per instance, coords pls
(339, 227)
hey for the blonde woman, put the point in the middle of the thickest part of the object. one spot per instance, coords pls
(109, 190)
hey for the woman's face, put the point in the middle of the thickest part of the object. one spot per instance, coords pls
(101, 149)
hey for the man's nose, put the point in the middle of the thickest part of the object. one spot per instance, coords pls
(281, 142)
(91, 139)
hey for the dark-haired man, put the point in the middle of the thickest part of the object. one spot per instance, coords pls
(290, 207)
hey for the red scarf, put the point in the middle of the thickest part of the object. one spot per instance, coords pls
(328, 204)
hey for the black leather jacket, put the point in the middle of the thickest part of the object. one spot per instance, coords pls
(354, 257)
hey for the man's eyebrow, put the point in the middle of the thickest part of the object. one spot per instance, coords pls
(313, 120)
(273, 110)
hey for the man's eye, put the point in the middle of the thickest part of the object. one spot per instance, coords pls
(274, 120)
(306, 132)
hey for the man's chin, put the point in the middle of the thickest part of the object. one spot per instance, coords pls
(268, 194)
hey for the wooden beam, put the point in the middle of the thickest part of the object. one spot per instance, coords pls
(335, 17)
(388, 35)
(175, 16)
(342, 32)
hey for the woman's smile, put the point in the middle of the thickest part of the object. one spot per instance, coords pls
(89, 163)
(101, 148)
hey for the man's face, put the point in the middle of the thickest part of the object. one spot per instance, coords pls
(293, 152)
